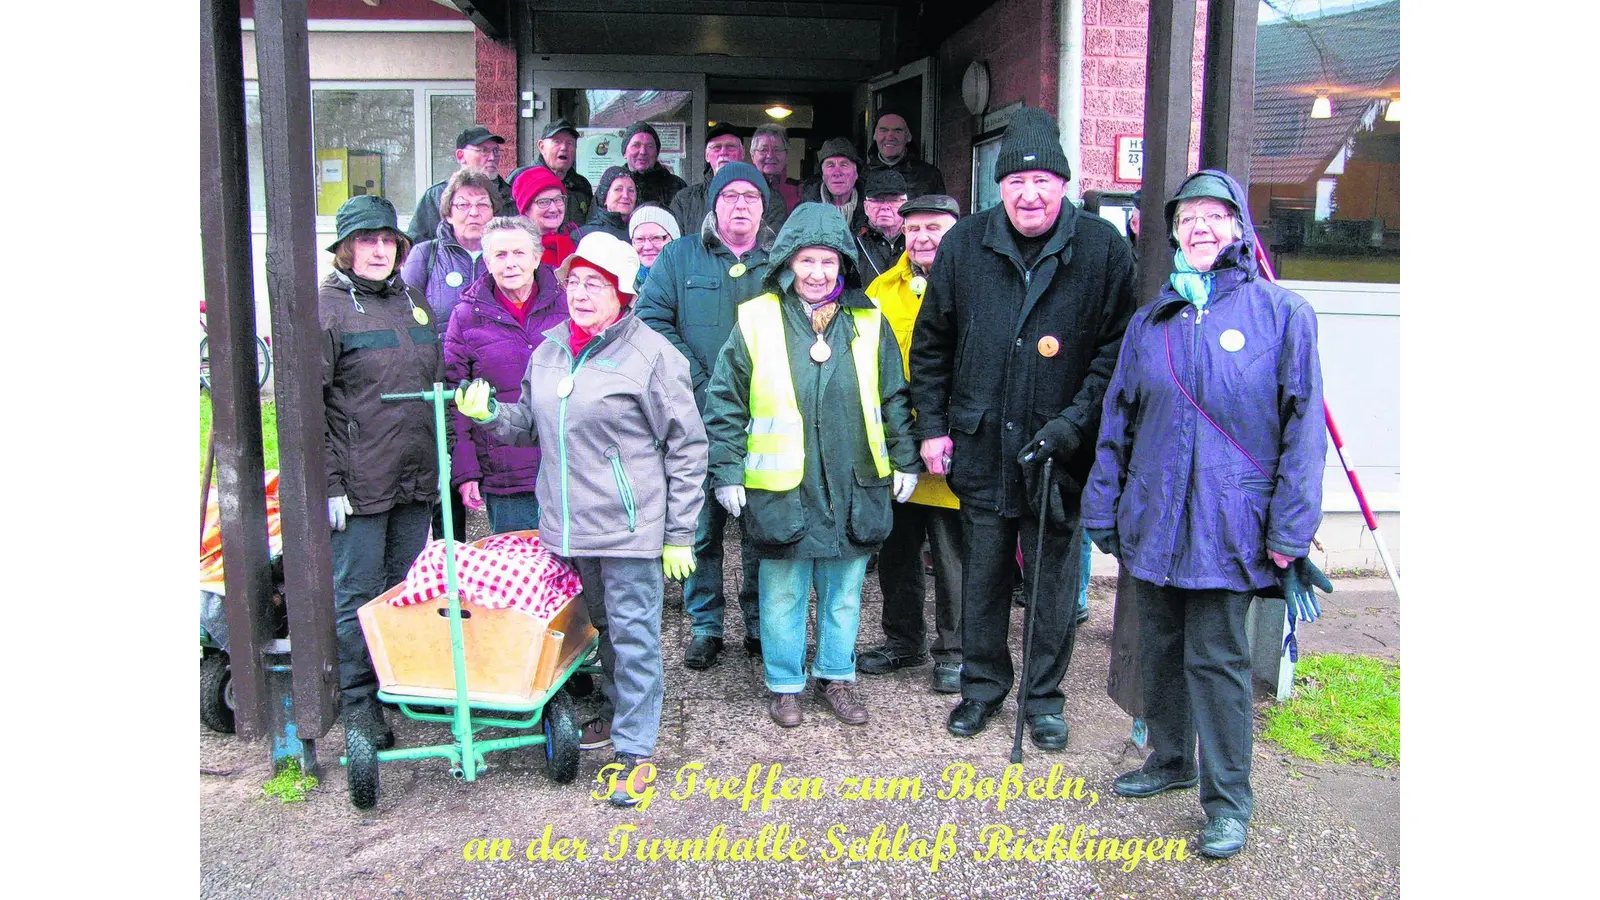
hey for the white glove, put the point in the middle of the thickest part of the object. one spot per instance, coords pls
(338, 508)
(732, 498)
(904, 484)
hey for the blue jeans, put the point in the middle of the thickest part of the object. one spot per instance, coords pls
(512, 512)
(703, 596)
(1083, 576)
(785, 596)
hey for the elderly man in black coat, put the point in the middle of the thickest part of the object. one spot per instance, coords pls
(1014, 346)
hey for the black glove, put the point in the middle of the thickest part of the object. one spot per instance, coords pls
(1106, 540)
(1057, 440)
(1061, 486)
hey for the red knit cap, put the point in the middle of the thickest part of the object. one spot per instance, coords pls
(531, 184)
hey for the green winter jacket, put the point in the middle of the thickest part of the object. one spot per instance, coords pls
(690, 296)
(841, 507)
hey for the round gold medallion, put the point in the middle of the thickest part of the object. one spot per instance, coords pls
(737, 270)
(1049, 346)
(918, 285)
(820, 351)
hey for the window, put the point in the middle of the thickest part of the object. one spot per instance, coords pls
(393, 139)
(1325, 191)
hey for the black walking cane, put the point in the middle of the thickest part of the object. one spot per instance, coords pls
(1032, 610)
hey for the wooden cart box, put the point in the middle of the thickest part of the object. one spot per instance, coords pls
(512, 658)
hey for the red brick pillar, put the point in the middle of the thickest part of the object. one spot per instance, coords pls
(497, 103)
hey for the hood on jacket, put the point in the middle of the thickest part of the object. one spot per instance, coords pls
(603, 188)
(812, 225)
(1219, 185)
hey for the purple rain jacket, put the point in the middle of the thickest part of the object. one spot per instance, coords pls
(485, 341)
(1190, 509)
(432, 265)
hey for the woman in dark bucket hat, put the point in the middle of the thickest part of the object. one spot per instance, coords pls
(378, 337)
(1207, 487)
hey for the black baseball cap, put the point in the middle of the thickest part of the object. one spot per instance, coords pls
(476, 135)
(932, 203)
(881, 182)
(558, 126)
(720, 129)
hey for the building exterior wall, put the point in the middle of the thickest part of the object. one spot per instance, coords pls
(497, 101)
(380, 56)
(1020, 42)
(1115, 42)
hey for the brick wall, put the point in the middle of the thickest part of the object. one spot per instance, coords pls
(496, 100)
(1115, 43)
(1019, 40)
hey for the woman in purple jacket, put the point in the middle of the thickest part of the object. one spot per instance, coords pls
(493, 330)
(1207, 486)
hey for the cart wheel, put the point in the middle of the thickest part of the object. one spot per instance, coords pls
(581, 684)
(216, 690)
(362, 759)
(560, 739)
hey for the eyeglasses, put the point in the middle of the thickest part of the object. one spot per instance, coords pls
(549, 202)
(487, 149)
(732, 198)
(1212, 220)
(655, 240)
(894, 201)
(589, 285)
(472, 207)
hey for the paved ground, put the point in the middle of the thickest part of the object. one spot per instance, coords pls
(1318, 831)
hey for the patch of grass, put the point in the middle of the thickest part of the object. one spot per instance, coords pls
(269, 430)
(290, 785)
(1346, 708)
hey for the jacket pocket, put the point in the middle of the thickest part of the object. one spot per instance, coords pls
(701, 303)
(423, 334)
(965, 461)
(774, 518)
(624, 486)
(870, 517)
(380, 339)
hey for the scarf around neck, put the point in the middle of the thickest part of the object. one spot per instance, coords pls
(1190, 283)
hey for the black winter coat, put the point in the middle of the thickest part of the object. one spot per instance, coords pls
(978, 372)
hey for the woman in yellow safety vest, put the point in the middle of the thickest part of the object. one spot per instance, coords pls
(809, 421)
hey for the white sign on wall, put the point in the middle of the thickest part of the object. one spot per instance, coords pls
(1130, 157)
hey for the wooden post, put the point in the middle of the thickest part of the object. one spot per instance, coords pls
(1227, 110)
(230, 326)
(1168, 94)
(292, 253)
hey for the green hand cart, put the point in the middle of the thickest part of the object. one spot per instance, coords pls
(517, 667)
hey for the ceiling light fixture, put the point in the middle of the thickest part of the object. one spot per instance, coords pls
(1322, 107)
(779, 111)
(1392, 114)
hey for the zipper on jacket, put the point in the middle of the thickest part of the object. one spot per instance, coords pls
(624, 487)
(561, 428)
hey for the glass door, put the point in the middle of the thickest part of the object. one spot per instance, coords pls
(910, 91)
(601, 105)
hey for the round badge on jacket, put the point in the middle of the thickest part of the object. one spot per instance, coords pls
(1049, 346)
(737, 270)
(820, 351)
(454, 279)
(918, 285)
(419, 315)
(564, 387)
(1232, 340)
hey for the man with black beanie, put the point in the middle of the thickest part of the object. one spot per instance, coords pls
(641, 148)
(1035, 296)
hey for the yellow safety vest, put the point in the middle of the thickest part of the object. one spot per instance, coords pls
(775, 449)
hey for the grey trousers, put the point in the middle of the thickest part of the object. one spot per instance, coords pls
(623, 597)
(1196, 668)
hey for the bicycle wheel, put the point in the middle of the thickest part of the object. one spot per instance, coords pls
(205, 363)
(263, 362)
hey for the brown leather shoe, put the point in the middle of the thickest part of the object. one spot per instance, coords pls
(785, 710)
(840, 699)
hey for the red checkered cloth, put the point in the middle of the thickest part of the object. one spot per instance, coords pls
(506, 572)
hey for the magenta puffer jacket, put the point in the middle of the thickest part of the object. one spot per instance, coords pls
(484, 341)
